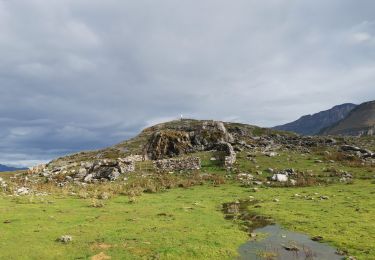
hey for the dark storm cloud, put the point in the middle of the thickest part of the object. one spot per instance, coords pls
(86, 74)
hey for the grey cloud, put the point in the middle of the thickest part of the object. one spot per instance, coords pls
(78, 75)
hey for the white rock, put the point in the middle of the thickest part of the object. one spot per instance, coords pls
(65, 239)
(22, 191)
(88, 178)
(280, 177)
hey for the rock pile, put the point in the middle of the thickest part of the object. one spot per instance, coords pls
(104, 170)
(360, 152)
(89, 171)
(178, 164)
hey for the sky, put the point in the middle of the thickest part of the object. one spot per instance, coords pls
(85, 74)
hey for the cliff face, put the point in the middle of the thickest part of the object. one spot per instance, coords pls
(360, 121)
(313, 124)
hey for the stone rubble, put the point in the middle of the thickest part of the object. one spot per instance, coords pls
(178, 164)
(22, 191)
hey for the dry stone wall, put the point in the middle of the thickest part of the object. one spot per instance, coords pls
(178, 164)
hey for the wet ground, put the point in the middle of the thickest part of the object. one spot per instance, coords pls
(270, 241)
(283, 244)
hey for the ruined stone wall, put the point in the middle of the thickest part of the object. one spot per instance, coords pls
(135, 158)
(178, 164)
(230, 159)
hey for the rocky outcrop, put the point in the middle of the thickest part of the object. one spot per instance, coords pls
(178, 164)
(167, 143)
(174, 142)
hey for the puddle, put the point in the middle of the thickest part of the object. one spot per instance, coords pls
(283, 244)
(271, 241)
(239, 211)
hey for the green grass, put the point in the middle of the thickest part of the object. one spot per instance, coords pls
(187, 223)
(181, 223)
(345, 220)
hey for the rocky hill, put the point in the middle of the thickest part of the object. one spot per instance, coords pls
(360, 121)
(158, 143)
(313, 124)
(181, 145)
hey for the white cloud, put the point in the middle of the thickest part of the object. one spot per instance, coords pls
(86, 74)
(361, 37)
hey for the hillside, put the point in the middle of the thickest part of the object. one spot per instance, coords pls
(144, 198)
(313, 124)
(360, 121)
(202, 132)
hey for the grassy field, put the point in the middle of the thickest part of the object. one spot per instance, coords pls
(181, 223)
(187, 223)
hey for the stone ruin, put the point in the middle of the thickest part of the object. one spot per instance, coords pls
(105, 169)
(90, 171)
(230, 154)
(178, 164)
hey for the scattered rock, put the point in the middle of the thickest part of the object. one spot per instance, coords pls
(65, 239)
(271, 154)
(317, 238)
(22, 191)
(318, 161)
(290, 247)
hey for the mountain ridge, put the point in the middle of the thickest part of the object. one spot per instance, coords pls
(360, 121)
(313, 124)
(5, 168)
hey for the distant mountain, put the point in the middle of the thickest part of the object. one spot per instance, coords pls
(4, 168)
(360, 121)
(313, 124)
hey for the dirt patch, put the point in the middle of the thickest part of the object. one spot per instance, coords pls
(100, 256)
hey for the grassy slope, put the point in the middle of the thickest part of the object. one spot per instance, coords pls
(187, 223)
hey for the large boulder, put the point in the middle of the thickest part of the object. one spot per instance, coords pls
(167, 143)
